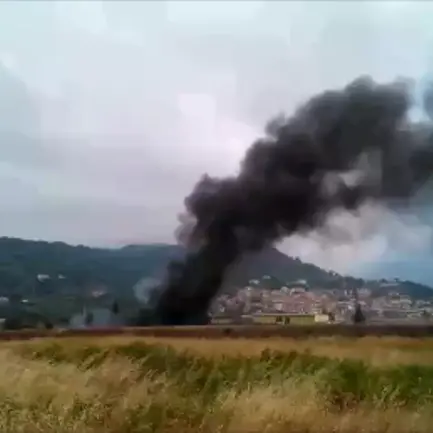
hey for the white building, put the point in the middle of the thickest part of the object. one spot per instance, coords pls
(95, 318)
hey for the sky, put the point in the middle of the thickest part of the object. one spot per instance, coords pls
(111, 111)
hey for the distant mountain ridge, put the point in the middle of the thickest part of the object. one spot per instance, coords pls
(119, 269)
(415, 268)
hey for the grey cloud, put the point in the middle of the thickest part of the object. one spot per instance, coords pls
(18, 110)
(89, 222)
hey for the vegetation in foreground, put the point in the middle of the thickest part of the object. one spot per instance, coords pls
(149, 386)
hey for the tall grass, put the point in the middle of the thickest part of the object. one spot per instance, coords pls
(133, 387)
(379, 351)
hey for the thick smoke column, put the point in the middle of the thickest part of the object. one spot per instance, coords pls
(336, 151)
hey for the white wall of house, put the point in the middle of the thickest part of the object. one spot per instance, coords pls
(101, 317)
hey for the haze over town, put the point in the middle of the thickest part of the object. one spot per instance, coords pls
(111, 111)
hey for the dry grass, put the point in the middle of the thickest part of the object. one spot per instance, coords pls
(375, 350)
(37, 396)
(118, 396)
(378, 351)
(294, 407)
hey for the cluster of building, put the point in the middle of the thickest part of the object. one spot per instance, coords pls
(298, 299)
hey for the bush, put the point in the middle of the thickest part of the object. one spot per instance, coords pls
(13, 324)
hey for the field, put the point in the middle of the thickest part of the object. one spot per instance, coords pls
(130, 384)
(236, 331)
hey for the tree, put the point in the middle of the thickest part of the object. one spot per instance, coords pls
(358, 316)
(145, 317)
(115, 308)
(13, 324)
(48, 325)
(88, 320)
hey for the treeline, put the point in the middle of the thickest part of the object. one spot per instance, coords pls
(75, 269)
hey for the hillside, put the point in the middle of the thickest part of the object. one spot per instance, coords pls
(119, 269)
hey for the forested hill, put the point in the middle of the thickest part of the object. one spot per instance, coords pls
(21, 261)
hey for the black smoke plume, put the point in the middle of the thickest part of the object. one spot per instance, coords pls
(291, 178)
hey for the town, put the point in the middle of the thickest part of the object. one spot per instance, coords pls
(299, 301)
